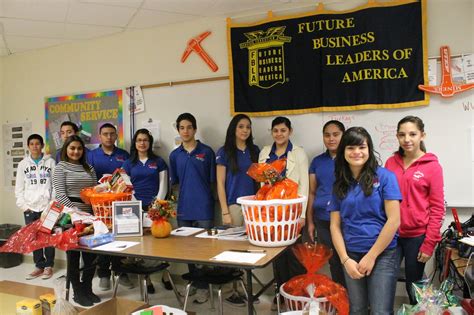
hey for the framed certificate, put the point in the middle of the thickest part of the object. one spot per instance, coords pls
(127, 218)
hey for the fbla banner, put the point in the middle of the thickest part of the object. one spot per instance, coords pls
(372, 57)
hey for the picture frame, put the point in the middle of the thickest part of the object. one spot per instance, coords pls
(127, 218)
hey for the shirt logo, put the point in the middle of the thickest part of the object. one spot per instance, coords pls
(200, 157)
(120, 159)
(376, 183)
(153, 165)
(418, 175)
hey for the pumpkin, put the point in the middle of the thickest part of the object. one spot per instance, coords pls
(161, 228)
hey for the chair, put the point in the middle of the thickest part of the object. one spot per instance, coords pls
(142, 273)
(213, 279)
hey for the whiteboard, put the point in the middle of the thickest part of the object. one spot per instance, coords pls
(448, 124)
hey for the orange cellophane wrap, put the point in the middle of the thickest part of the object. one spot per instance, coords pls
(313, 257)
(264, 172)
(29, 238)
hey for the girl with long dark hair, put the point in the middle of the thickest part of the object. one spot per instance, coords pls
(365, 215)
(422, 210)
(70, 176)
(233, 161)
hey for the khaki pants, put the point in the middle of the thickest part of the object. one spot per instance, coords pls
(236, 214)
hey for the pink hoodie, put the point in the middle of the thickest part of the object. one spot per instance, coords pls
(422, 209)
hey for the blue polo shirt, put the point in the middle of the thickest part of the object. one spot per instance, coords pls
(194, 172)
(238, 184)
(322, 167)
(145, 178)
(362, 218)
(104, 163)
(58, 155)
(273, 157)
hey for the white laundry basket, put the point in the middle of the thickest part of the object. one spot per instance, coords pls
(272, 223)
(295, 303)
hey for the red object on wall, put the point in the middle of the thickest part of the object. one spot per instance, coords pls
(447, 88)
(194, 44)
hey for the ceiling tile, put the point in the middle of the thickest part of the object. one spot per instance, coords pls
(76, 31)
(33, 28)
(46, 10)
(121, 3)
(151, 18)
(97, 14)
(200, 7)
(22, 43)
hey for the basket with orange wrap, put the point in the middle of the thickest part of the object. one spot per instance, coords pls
(116, 188)
(272, 215)
(331, 297)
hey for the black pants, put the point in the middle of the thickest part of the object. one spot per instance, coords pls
(43, 257)
(324, 237)
(103, 265)
(409, 248)
(73, 265)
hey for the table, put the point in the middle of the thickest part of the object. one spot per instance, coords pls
(193, 250)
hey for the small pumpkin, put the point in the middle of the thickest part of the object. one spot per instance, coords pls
(161, 228)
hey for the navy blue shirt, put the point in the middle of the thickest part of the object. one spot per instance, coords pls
(362, 218)
(273, 157)
(238, 184)
(104, 163)
(194, 172)
(322, 167)
(145, 178)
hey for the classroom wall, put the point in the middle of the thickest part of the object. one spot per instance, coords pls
(152, 56)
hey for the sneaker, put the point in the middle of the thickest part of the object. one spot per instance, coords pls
(182, 291)
(35, 274)
(47, 273)
(166, 284)
(202, 295)
(104, 283)
(125, 281)
(235, 300)
(149, 286)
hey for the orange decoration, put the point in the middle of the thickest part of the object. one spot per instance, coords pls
(447, 88)
(194, 44)
(161, 228)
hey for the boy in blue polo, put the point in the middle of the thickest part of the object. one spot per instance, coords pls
(193, 168)
(106, 159)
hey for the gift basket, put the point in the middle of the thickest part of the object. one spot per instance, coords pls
(272, 215)
(331, 297)
(115, 187)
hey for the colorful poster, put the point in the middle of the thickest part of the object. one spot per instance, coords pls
(88, 111)
(371, 57)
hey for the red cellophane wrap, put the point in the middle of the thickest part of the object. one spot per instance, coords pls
(29, 238)
(313, 257)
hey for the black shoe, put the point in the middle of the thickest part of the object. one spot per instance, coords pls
(81, 298)
(94, 298)
(150, 288)
(167, 284)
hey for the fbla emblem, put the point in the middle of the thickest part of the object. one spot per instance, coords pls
(266, 56)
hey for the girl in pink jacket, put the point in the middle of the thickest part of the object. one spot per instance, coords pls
(422, 209)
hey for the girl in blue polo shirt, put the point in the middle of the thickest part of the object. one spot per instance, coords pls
(321, 180)
(148, 173)
(365, 215)
(233, 161)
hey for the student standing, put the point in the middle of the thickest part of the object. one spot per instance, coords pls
(287, 266)
(33, 192)
(422, 210)
(321, 181)
(68, 128)
(106, 159)
(148, 173)
(193, 168)
(70, 176)
(365, 215)
(233, 160)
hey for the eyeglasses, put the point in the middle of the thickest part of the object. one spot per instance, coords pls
(142, 141)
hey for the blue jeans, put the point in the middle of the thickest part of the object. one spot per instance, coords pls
(194, 269)
(376, 291)
(409, 248)
(43, 257)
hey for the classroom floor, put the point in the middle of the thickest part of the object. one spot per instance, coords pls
(162, 296)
